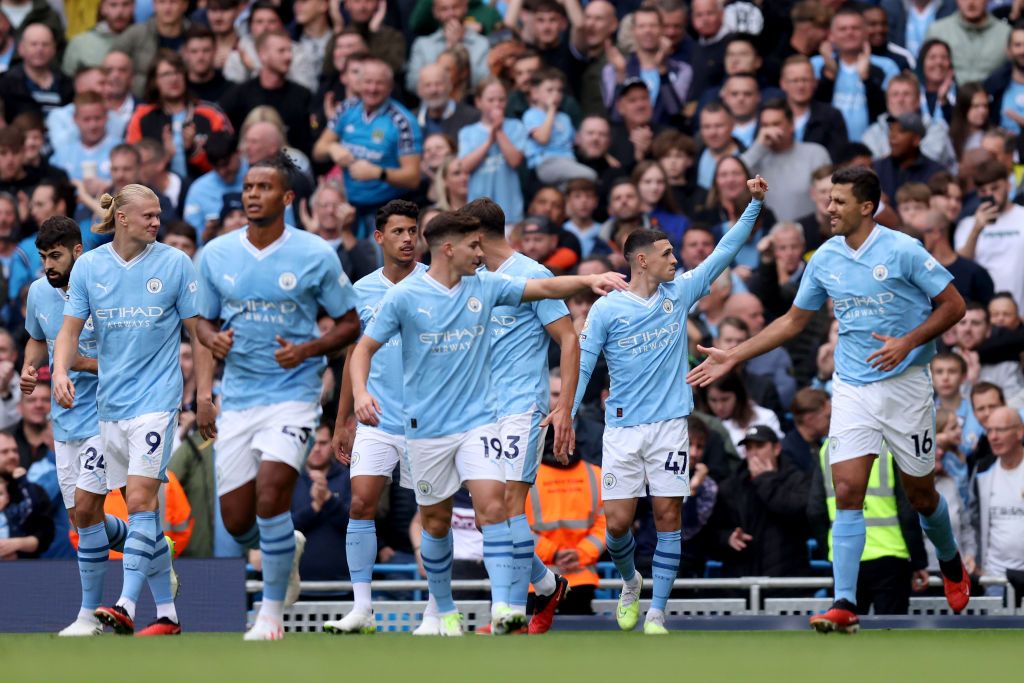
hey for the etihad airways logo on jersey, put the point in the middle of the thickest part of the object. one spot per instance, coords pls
(451, 341)
(261, 311)
(128, 316)
(649, 340)
(503, 324)
(862, 306)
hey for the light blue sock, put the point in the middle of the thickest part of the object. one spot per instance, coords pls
(361, 549)
(498, 560)
(117, 531)
(159, 574)
(436, 554)
(621, 551)
(92, 563)
(522, 560)
(138, 552)
(277, 547)
(848, 536)
(939, 530)
(538, 570)
(665, 566)
(250, 540)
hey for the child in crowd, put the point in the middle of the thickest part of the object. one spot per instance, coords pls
(947, 483)
(677, 154)
(549, 149)
(581, 199)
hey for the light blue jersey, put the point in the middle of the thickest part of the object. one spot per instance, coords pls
(644, 340)
(445, 348)
(850, 96)
(262, 294)
(74, 158)
(560, 142)
(136, 307)
(886, 286)
(494, 178)
(385, 382)
(44, 315)
(519, 345)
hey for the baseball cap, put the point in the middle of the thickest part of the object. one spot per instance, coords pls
(760, 434)
(539, 225)
(631, 83)
(911, 122)
(232, 202)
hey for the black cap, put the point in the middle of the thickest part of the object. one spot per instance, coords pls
(631, 83)
(232, 202)
(911, 122)
(760, 434)
(219, 147)
(539, 225)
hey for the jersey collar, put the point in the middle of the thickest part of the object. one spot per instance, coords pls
(507, 263)
(646, 303)
(261, 254)
(127, 265)
(441, 288)
(872, 237)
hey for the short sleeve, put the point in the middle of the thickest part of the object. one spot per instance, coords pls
(503, 290)
(387, 322)
(188, 289)
(517, 135)
(549, 310)
(77, 305)
(533, 118)
(209, 297)
(337, 296)
(32, 326)
(810, 296)
(469, 139)
(925, 272)
(594, 333)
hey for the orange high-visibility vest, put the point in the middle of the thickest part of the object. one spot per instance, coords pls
(175, 514)
(565, 511)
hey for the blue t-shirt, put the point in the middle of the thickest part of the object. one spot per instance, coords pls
(886, 286)
(559, 144)
(519, 344)
(1013, 99)
(644, 340)
(383, 138)
(385, 381)
(205, 198)
(44, 315)
(494, 178)
(652, 77)
(72, 158)
(263, 294)
(849, 95)
(445, 348)
(136, 307)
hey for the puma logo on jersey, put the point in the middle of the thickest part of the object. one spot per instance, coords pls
(230, 278)
(44, 317)
(835, 276)
(426, 312)
(103, 287)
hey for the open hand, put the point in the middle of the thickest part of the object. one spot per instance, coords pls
(892, 353)
(604, 283)
(717, 365)
(367, 409)
(739, 539)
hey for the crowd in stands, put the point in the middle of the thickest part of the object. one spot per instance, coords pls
(585, 122)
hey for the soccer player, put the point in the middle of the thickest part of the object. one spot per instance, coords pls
(892, 299)
(450, 423)
(376, 451)
(138, 293)
(81, 469)
(642, 333)
(265, 284)
(519, 387)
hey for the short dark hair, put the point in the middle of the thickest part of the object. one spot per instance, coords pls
(283, 164)
(264, 4)
(978, 306)
(984, 388)
(989, 171)
(641, 239)
(61, 191)
(546, 74)
(58, 231)
(866, 187)
(199, 31)
(778, 104)
(955, 357)
(733, 321)
(851, 151)
(1003, 295)
(181, 229)
(12, 137)
(489, 213)
(219, 146)
(396, 207)
(449, 224)
(696, 427)
(125, 148)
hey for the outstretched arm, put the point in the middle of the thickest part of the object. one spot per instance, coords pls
(733, 241)
(568, 285)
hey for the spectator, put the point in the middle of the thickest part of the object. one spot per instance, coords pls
(809, 21)
(668, 80)
(539, 241)
(876, 22)
(700, 504)
(262, 137)
(1003, 311)
(742, 96)
(164, 30)
(780, 269)
(590, 40)
(154, 172)
(492, 149)
(10, 389)
(937, 80)
(716, 125)
(996, 507)
(272, 86)
(380, 160)
(182, 236)
(593, 148)
(549, 145)
(949, 375)
(677, 154)
(994, 235)
(89, 48)
(382, 41)
(657, 201)
(192, 466)
(1006, 83)
(729, 402)
(947, 460)
(976, 39)
(34, 84)
(118, 68)
(947, 196)
(24, 13)
(15, 177)
(544, 25)
(813, 121)
(581, 199)
(312, 31)
(909, 21)
(812, 413)
(320, 511)
(970, 118)
(777, 155)
(631, 139)
(970, 279)
(707, 56)
(245, 62)
(173, 116)
(204, 79)
(905, 163)
(26, 524)
(725, 203)
(852, 80)
(87, 158)
(481, 14)
(972, 332)
(438, 112)
(204, 198)
(730, 333)
(221, 16)
(451, 16)
(759, 524)
(904, 97)
(451, 184)
(60, 122)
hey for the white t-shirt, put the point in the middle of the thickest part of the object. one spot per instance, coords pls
(762, 416)
(1005, 521)
(468, 542)
(999, 250)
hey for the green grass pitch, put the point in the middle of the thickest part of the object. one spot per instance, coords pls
(909, 656)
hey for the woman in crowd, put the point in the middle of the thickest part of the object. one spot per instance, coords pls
(726, 200)
(937, 79)
(970, 118)
(729, 401)
(657, 200)
(451, 184)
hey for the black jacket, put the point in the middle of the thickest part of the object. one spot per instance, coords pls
(17, 98)
(28, 514)
(827, 127)
(773, 509)
(325, 530)
(872, 90)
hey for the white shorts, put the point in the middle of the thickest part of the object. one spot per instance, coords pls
(522, 443)
(139, 447)
(439, 466)
(900, 410)
(375, 454)
(282, 432)
(655, 455)
(80, 464)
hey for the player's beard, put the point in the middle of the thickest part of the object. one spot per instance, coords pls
(62, 281)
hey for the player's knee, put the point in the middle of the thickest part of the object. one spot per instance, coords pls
(88, 510)
(617, 528)
(669, 519)
(140, 501)
(361, 507)
(924, 500)
(491, 511)
(849, 496)
(436, 526)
